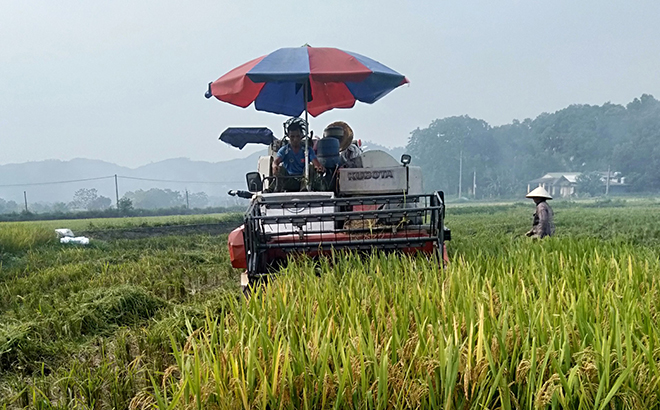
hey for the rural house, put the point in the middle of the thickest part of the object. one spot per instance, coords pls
(564, 184)
(558, 184)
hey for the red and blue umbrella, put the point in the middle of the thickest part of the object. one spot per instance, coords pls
(333, 78)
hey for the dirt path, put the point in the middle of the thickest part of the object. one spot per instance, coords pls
(149, 231)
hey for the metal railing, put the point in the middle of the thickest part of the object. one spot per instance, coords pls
(276, 229)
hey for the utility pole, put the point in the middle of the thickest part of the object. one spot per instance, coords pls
(607, 183)
(474, 184)
(187, 202)
(460, 174)
(116, 191)
(25, 197)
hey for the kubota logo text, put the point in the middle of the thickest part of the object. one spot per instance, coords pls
(360, 175)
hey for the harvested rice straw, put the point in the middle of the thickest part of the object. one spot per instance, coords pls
(367, 223)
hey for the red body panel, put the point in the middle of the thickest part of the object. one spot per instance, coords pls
(239, 260)
(237, 248)
(365, 207)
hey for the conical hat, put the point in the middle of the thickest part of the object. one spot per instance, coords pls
(345, 142)
(539, 192)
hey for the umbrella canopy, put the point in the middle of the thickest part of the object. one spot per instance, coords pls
(334, 78)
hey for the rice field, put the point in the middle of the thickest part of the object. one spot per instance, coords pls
(565, 322)
(94, 224)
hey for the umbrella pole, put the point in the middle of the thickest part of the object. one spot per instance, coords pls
(307, 180)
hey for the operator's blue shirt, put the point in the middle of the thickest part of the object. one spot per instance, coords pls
(293, 162)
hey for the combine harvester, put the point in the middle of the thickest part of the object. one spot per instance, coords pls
(378, 206)
(369, 202)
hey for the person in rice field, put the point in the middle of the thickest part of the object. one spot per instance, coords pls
(543, 224)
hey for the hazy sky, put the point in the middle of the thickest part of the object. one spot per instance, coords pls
(124, 81)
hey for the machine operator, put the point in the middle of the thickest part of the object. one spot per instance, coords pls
(290, 160)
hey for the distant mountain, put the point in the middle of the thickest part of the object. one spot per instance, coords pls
(37, 178)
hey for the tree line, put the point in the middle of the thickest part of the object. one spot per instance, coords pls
(88, 200)
(579, 138)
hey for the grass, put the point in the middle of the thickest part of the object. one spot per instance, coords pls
(126, 223)
(566, 322)
(88, 325)
(15, 239)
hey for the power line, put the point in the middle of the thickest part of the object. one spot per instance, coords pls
(119, 176)
(55, 182)
(181, 182)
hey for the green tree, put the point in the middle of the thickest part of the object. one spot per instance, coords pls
(7, 207)
(638, 155)
(99, 203)
(83, 197)
(89, 200)
(60, 207)
(440, 148)
(517, 161)
(582, 138)
(590, 183)
(125, 206)
(198, 200)
(155, 198)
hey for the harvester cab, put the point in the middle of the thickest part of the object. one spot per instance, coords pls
(364, 201)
